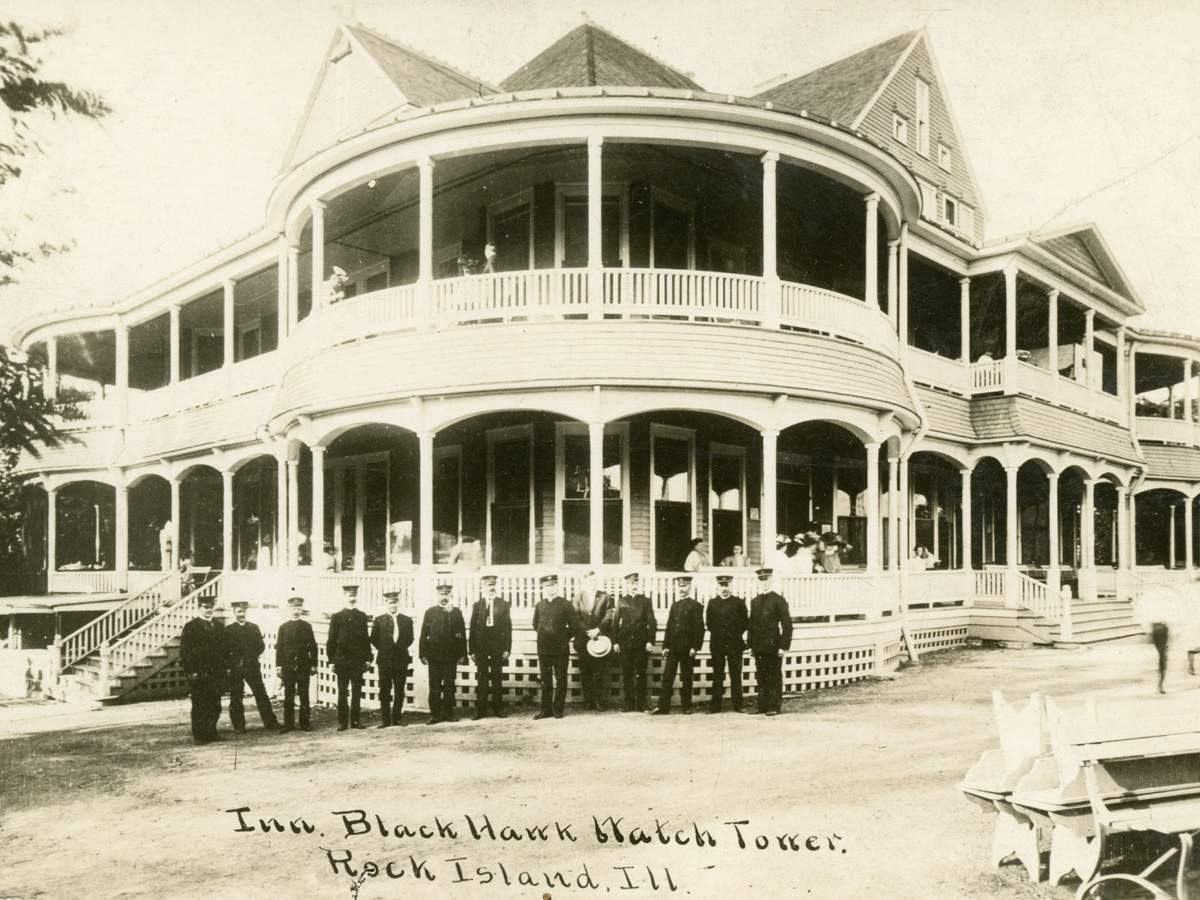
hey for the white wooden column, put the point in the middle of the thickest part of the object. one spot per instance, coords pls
(1052, 324)
(1088, 525)
(173, 344)
(771, 296)
(1187, 391)
(425, 305)
(1121, 373)
(965, 517)
(226, 521)
(51, 535)
(360, 506)
(596, 493)
(595, 233)
(904, 547)
(283, 537)
(769, 504)
(317, 527)
(1010, 330)
(1132, 387)
(1187, 533)
(121, 346)
(1089, 344)
(318, 256)
(893, 281)
(293, 497)
(50, 386)
(425, 445)
(1052, 503)
(281, 290)
(902, 290)
(894, 513)
(1133, 560)
(121, 527)
(293, 287)
(1122, 529)
(1010, 536)
(339, 510)
(176, 525)
(871, 281)
(874, 549)
(228, 287)
(1171, 541)
(964, 320)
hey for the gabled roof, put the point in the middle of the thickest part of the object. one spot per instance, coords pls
(590, 56)
(1082, 247)
(843, 90)
(422, 80)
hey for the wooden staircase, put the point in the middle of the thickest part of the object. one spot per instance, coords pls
(141, 661)
(1106, 618)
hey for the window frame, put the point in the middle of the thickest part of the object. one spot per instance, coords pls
(572, 189)
(731, 451)
(679, 204)
(506, 205)
(495, 436)
(899, 128)
(562, 430)
(657, 430)
(945, 157)
(921, 87)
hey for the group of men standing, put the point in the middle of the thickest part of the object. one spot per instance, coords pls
(599, 626)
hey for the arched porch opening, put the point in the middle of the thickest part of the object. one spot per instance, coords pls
(201, 517)
(989, 513)
(1106, 502)
(26, 571)
(149, 511)
(255, 511)
(936, 509)
(85, 527)
(1160, 527)
(1035, 518)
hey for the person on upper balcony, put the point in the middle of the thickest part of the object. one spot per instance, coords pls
(335, 286)
(489, 258)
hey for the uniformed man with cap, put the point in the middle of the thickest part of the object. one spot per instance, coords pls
(727, 621)
(682, 639)
(443, 646)
(634, 639)
(202, 657)
(490, 644)
(243, 646)
(392, 636)
(295, 661)
(770, 630)
(555, 623)
(348, 649)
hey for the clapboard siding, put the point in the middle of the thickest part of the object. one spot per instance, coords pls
(231, 421)
(948, 415)
(565, 354)
(901, 95)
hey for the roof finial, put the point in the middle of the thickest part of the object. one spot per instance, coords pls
(585, 18)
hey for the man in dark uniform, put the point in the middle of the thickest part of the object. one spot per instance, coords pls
(443, 645)
(392, 636)
(555, 623)
(295, 661)
(683, 637)
(348, 649)
(634, 638)
(202, 656)
(770, 630)
(727, 621)
(243, 646)
(490, 644)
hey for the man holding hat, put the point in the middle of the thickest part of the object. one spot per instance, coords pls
(348, 649)
(770, 630)
(594, 609)
(243, 646)
(683, 637)
(392, 636)
(443, 644)
(555, 623)
(295, 661)
(202, 657)
(635, 629)
(727, 620)
(490, 644)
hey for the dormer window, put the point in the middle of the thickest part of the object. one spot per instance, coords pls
(922, 118)
(900, 128)
(944, 157)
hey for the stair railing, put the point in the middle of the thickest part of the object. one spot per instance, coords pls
(85, 641)
(1034, 596)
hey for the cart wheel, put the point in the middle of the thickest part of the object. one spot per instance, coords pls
(1094, 889)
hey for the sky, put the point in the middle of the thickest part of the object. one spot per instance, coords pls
(1071, 111)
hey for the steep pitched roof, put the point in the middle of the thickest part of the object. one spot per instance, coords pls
(422, 80)
(843, 90)
(1083, 247)
(590, 56)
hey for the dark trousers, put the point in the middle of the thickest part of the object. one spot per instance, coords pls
(720, 660)
(552, 670)
(1160, 636)
(442, 673)
(633, 677)
(393, 682)
(593, 674)
(295, 684)
(238, 680)
(769, 671)
(352, 677)
(489, 682)
(684, 663)
(206, 707)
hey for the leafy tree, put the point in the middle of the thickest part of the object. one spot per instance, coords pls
(27, 418)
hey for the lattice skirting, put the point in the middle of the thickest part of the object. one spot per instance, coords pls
(930, 640)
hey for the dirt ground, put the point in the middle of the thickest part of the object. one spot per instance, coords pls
(117, 804)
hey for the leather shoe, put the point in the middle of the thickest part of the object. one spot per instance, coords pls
(285, 729)
(384, 725)
(658, 712)
(478, 716)
(434, 721)
(500, 714)
(342, 727)
(306, 728)
(559, 715)
(688, 711)
(357, 725)
(541, 715)
(772, 713)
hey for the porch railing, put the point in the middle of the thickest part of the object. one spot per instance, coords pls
(83, 642)
(510, 295)
(817, 309)
(1169, 431)
(1034, 596)
(939, 371)
(82, 581)
(682, 292)
(990, 583)
(941, 586)
(987, 376)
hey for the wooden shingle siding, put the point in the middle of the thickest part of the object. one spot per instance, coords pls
(564, 354)
(948, 415)
(900, 96)
(1008, 418)
(227, 422)
(84, 450)
(1180, 463)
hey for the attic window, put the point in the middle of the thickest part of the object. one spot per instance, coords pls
(945, 160)
(950, 212)
(900, 128)
(922, 117)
